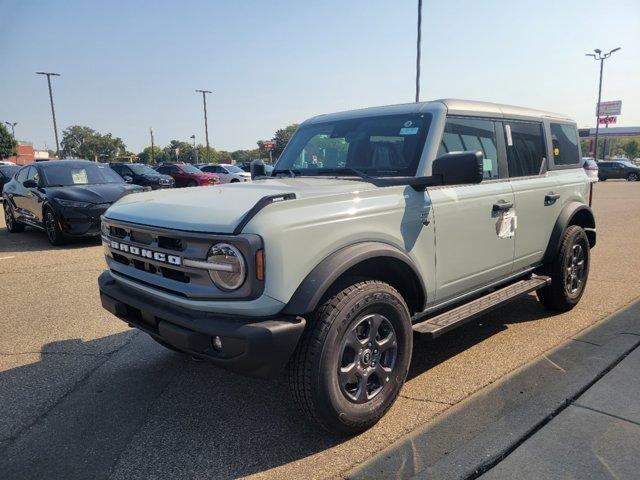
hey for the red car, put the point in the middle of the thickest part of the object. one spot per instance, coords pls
(186, 175)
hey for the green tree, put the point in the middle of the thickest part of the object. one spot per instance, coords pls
(632, 149)
(84, 142)
(8, 144)
(158, 155)
(180, 152)
(282, 137)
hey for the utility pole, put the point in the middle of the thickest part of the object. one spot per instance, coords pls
(206, 126)
(601, 57)
(152, 152)
(53, 111)
(13, 128)
(419, 41)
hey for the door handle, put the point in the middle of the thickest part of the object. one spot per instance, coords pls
(550, 198)
(502, 206)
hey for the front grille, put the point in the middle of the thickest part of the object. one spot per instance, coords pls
(154, 257)
(169, 243)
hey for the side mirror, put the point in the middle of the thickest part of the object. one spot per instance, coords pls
(258, 169)
(30, 184)
(458, 168)
(128, 178)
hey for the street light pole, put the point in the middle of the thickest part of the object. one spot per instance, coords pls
(419, 41)
(206, 126)
(195, 151)
(53, 111)
(601, 57)
(153, 161)
(13, 128)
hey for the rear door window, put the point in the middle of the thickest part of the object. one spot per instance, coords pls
(526, 154)
(565, 144)
(464, 134)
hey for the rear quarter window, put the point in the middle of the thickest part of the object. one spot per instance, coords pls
(564, 139)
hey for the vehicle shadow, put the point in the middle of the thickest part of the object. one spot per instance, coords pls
(34, 240)
(427, 353)
(147, 412)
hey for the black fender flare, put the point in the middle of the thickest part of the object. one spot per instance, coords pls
(569, 215)
(316, 284)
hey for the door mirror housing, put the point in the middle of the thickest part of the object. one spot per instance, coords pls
(128, 178)
(258, 169)
(29, 184)
(458, 168)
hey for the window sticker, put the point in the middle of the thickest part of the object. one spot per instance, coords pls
(487, 165)
(408, 130)
(507, 130)
(79, 176)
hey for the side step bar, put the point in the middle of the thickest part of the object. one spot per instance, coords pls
(439, 324)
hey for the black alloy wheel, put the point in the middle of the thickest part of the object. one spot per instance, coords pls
(13, 226)
(369, 352)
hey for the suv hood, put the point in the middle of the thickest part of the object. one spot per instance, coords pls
(219, 209)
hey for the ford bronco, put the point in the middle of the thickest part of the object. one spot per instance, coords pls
(375, 225)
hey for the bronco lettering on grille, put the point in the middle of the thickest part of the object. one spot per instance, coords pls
(146, 253)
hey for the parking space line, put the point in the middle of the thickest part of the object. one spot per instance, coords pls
(7, 258)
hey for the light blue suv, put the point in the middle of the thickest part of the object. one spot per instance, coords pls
(375, 225)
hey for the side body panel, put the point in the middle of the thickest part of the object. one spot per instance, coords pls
(298, 235)
(469, 251)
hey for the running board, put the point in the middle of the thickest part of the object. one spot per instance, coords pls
(439, 324)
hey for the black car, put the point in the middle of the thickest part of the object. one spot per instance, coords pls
(6, 173)
(64, 198)
(618, 169)
(144, 175)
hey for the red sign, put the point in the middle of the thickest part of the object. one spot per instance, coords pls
(607, 120)
(269, 145)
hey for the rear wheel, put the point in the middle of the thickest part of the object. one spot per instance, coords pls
(52, 228)
(12, 224)
(353, 358)
(569, 272)
(633, 177)
(192, 183)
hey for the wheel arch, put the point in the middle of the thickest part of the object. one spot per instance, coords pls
(374, 260)
(573, 213)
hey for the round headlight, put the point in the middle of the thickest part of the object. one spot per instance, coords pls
(231, 271)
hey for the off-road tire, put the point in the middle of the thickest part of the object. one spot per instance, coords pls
(313, 368)
(52, 228)
(633, 177)
(13, 226)
(557, 296)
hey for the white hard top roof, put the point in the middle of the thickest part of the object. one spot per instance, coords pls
(451, 105)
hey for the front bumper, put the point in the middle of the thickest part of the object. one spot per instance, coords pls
(80, 221)
(257, 347)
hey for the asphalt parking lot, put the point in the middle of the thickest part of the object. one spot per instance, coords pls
(84, 396)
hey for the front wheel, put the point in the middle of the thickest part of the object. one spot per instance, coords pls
(568, 271)
(353, 358)
(52, 228)
(12, 224)
(633, 177)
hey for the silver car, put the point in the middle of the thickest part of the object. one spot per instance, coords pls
(228, 173)
(375, 224)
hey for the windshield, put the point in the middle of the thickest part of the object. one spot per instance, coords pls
(64, 174)
(233, 169)
(140, 169)
(380, 146)
(189, 169)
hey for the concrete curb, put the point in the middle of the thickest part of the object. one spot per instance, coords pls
(478, 432)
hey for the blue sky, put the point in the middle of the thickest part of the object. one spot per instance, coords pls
(130, 65)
